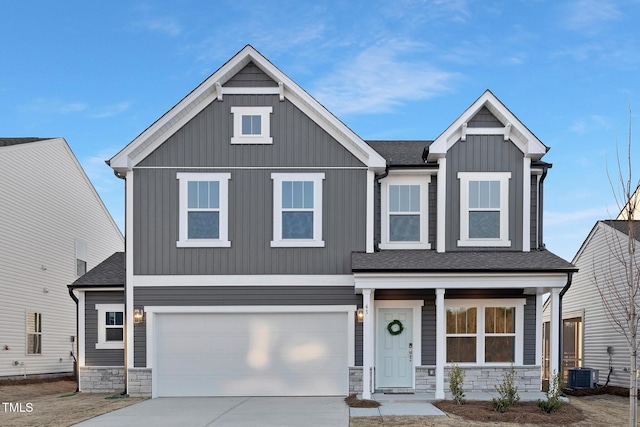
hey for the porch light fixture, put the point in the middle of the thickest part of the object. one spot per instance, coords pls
(360, 315)
(138, 315)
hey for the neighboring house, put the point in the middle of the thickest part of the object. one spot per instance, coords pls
(589, 338)
(53, 227)
(271, 251)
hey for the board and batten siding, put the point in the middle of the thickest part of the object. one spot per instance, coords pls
(241, 296)
(93, 356)
(204, 143)
(46, 202)
(250, 76)
(583, 298)
(483, 153)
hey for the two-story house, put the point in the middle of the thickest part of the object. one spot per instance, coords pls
(272, 251)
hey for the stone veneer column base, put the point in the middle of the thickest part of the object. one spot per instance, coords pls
(140, 382)
(486, 378)
(102, 379)
(355, 379)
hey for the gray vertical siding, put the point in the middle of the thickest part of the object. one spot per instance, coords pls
(534, 213)
(484, 153)
(93, 357)
(250, 76)
(433, 211)
(236, 295)
(484, 119)
(429, 331)
(529, 354)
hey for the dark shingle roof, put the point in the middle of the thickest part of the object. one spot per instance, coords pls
(451, 262)
(6, 142)
(406, 153)
(623, 226)
(110, 272)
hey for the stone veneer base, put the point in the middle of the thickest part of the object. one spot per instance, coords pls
(102, 379)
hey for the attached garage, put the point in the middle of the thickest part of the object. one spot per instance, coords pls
(252, 353)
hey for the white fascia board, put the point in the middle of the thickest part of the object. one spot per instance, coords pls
(460, 281)
(245, 280)
(530, 145)
(206, 93)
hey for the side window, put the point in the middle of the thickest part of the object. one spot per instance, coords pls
(34, 333)
(297, 210)
(203, 209)
(110, 326)
(484, 209)
(251, 125)
(81, 257)
(404, 217)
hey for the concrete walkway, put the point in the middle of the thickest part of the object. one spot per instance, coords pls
(229, 412)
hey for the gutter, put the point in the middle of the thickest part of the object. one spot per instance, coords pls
(125, 392)
(77, 362)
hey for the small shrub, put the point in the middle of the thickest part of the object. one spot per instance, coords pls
(456, 378)
(508, 392)
(553, 402)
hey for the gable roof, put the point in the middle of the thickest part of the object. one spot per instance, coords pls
(212, 89)
(459, 262)
(402, 153)
(513, 129)
(7, 142)
(110, 272)
(621, 225)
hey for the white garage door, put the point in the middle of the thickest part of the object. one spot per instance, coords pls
(250, 354)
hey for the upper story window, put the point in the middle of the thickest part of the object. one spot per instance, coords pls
(34, 333)
(297, 209)
(404, 218)
(203, 209)
(110, 326)
(484, 209)
(251, 125)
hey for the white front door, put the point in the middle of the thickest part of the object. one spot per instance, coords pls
(394, 361)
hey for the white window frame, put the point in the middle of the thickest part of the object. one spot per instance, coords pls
(102, 310)
(36, 333)
(423, 242)
(183, 240)
(480, 335)
(465, 178)
(278, 179)
(265, 125)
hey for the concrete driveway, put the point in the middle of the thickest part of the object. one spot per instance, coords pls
(229, 412)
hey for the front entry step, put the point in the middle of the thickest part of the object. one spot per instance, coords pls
(401, 390)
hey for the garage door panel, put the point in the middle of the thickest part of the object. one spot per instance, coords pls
(251, 354)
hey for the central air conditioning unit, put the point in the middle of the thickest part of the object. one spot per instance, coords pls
(582, 378)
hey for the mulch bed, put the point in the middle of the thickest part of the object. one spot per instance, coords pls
(353, 402)
(36, 380)
(523, 412)
(614, 391)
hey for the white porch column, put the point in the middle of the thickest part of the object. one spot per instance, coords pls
(554, 332)
(440, 343)
(367, 343)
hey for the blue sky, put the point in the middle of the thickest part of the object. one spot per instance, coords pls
(99, 73)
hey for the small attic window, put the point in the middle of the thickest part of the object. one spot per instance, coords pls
(251, 125)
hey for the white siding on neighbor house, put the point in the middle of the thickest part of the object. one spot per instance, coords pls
(46, 203)
(583, 297)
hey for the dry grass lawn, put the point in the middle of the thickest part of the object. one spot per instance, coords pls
(54, 403)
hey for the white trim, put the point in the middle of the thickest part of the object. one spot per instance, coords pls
(465, 178)
(265, 125)
(442, 205)
(370, 221)
(152, 311)
(81, 332)
(129, 272)
(423, 182)
(539, 343)
(554, 332)
(526, 204)
(368, 342)
(102, 343)
(227, 168)
(480, 334)
(245, 280)
(272, 90)
(223, 238)
(441, 353)
(278, 179)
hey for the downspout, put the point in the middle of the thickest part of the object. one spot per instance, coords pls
(541, 206)
(560, 326)
(76, 360)
(377, 178)
(126, 332)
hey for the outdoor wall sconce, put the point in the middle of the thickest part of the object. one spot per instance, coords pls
(138, 315)
(360, 315)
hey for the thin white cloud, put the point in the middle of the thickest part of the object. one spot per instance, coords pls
(165, 25)
(552, 218)
(380, 78)
(53, 106)
(587, 124)
(111, 110)
(588, 14)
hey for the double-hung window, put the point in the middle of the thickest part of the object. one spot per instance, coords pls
(34, 333)
(484, 331)
(404, 212)
(297, 209)
(203, 209)
(251, 125)
(110, 326)
(484, 209)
